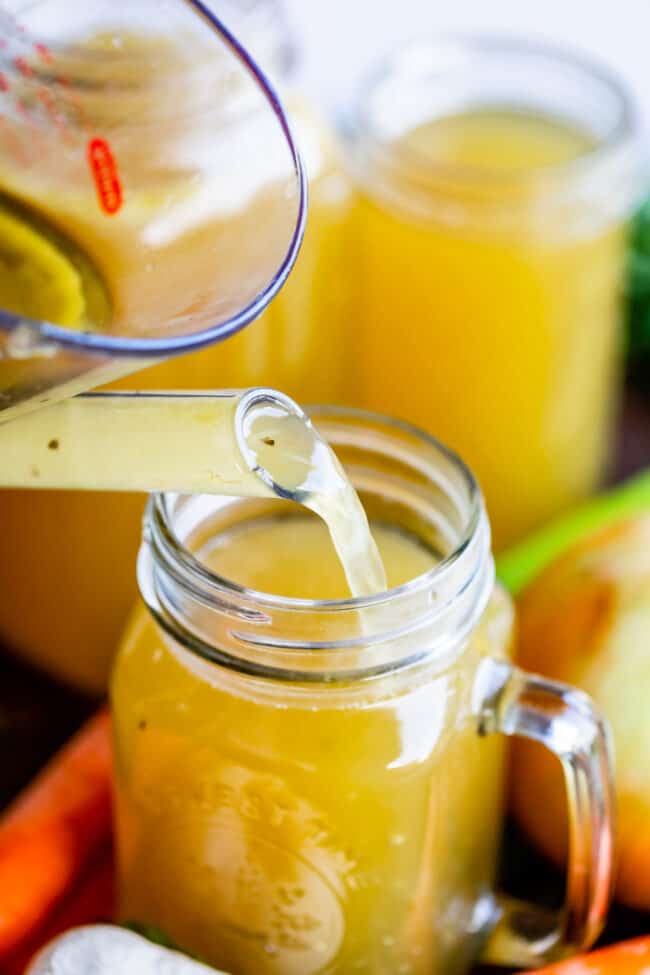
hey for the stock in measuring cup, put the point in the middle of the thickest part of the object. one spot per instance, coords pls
(138, 218)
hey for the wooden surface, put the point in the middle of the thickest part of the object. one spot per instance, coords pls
(36, 716)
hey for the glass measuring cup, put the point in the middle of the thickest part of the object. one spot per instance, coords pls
(136, 219)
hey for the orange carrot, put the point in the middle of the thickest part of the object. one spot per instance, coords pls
(626, 958)
(51, 831)
(91, 901)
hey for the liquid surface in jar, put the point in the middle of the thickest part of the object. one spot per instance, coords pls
(309, 568)
(276, 830)
(507, 141)
(487, 304)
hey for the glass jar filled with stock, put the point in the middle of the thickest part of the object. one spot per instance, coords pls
(495, 179)
(308, 782)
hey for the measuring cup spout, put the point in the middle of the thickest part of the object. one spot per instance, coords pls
(205, 442)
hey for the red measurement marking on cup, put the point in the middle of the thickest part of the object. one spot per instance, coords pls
(104, 172)
(44, 52)
(24, 67)
(15, 148)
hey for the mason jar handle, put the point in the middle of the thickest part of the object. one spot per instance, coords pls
(565, 721)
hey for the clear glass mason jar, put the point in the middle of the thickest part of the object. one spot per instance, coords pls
(306, 786)
(494, 180)
(71, 553)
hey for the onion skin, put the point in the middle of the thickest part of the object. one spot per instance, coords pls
(586, 620)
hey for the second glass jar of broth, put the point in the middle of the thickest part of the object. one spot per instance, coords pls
(84, 545)
(495, 180)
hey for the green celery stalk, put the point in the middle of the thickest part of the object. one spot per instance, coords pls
(519, 565)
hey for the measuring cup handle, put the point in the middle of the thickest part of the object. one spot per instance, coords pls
(565, 721)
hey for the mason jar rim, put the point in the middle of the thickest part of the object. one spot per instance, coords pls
(159, 512)
(428, 618)
(361, 127)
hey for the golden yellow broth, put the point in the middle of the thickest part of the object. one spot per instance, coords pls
(341, 829)
(502, 340)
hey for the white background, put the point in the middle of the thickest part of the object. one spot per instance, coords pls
(339, 38)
